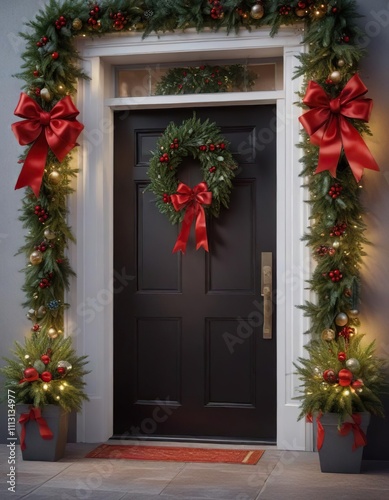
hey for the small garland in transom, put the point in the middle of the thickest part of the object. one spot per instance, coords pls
(202, 141)
(205, 79)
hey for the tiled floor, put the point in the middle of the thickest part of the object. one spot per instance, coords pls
(278, 475)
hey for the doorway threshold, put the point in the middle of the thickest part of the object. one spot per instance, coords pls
(195, 440)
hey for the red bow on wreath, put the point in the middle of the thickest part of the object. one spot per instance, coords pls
(193, 200)
(57, 129)
(44, 430)
(328, 126)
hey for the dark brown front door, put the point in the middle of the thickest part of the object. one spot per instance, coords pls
(190, 359)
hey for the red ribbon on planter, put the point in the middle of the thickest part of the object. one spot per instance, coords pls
(192, 200)
(359, 435)
(328, 126)
(57, 129)
(34, 414)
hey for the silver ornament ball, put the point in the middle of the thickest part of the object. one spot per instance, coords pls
(341, 319)
(353, 365)
(257, 11)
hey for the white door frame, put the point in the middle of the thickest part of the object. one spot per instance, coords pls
(90, 319)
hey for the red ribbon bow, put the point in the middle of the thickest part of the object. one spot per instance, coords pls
(57, 129)
(35, 414)
(359, 435)
(329, 128)
(193, 200)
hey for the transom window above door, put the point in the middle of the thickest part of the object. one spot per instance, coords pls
(198, 77)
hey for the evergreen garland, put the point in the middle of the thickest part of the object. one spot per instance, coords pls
(202, 141)
(50, 71)
(205, 78)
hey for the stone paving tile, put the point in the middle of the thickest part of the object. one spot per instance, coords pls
(45, 493)
(215, 484)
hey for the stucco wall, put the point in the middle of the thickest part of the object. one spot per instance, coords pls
(375, 298)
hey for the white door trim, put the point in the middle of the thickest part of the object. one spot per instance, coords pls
(90, 319)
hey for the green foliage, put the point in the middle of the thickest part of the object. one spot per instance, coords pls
(203, 79)
(65, 389)
(321, 394)
(190, 136)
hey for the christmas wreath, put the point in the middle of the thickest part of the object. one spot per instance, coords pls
(202, 141)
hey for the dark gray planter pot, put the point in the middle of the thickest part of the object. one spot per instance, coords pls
(337, 454)
(37, 448)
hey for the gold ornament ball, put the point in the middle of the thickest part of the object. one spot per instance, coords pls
(341, 319)
(336, 244)
(257, 11)
(45, 94)
(335, 76)
(301, 12)
(77, 24)
(55, 177)
(340, 63)
(36, 257)
(328, 334)
(52, 333)
(49, 234)
(353, 313)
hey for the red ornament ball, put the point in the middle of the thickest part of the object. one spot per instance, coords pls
(45, 359)
(357, 384)
(345, 377)
(342, 356)
(329, 376)
(30, 374)
(61, 370)
(54, 55)
(46, 376)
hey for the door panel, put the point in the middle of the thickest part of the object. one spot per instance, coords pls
(189, 355)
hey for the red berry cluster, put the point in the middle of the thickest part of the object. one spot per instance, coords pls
(322, 250)
(36, 327)
(212, 170)
(94, 14)
(41, 213)
(338, 230)
(166, 198)
(174, 144)
(164, 158)
(60, 22)
(217, 9)
(335, 191)
(212, 147)
(46, 282)
(42, 42)
(334, 10)
(345, 38)
(42, 247)
(59, 261)
(120, 19)
(285, 10)
(35, 73)
(346, 332)
(335, 275)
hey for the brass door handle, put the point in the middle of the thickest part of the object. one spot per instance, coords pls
(266, 292)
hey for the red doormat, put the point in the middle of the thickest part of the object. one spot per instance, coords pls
(164, 453)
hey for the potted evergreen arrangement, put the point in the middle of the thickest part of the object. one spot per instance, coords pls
(342, 380)
(45, 380)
